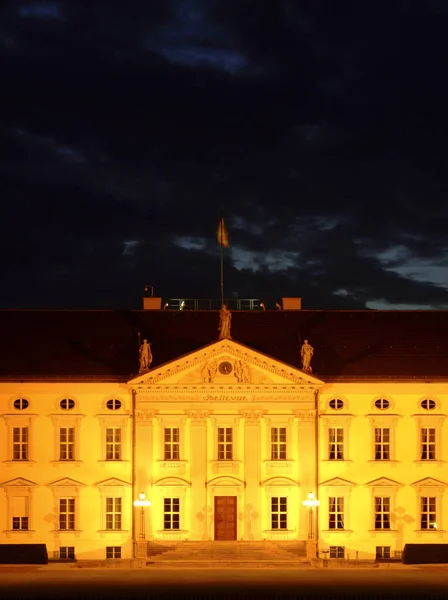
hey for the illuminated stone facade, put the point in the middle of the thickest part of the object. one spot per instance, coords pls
(226, 442)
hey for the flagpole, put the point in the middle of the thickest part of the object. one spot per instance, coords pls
(222, 261)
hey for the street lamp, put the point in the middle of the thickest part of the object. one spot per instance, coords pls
(311, 503)
(143, 503)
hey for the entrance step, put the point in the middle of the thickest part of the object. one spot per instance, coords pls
(255, 553)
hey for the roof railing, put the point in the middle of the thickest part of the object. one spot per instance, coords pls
(215, 304)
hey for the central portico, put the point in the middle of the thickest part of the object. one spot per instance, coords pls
(225, 445)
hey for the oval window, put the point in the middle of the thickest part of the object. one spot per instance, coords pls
(336, 404)
(428, 404)
(67, 404)
(113, 404)
(21, 404)
(382, 403)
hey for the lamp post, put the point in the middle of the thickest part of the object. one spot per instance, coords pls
(311, 546)
(142, 502)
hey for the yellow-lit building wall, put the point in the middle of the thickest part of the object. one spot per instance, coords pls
(144, 409)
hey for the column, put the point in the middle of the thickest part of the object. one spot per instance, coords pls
(307, 475)
(144, 459)
(198, 470)
(252, 475)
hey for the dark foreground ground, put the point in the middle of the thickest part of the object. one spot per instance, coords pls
(429, 582)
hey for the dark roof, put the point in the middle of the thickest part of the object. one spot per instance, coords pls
(103, 344)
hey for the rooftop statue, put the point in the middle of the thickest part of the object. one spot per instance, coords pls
(145, 355)
(225, 318)
(306, 352)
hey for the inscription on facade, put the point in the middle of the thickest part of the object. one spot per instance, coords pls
(224, 398)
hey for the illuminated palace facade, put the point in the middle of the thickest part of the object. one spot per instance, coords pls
(226, 437)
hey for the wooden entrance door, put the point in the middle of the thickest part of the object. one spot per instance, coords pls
(225, 518)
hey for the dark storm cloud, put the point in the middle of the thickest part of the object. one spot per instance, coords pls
(319, 131)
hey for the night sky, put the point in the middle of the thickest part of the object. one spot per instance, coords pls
(318, 127)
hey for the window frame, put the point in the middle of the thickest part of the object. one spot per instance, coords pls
(170, 511)
(382, 446)
(111, 446)
(280, 515)
(223, 445)
(334, 441)
(114, 551)
(113, 513)
(382, 513)
(428, 446)
(336, 550)
(278, 447)
(337, 503)
(21, 444)
(171, 446)
(70, 513)
(382, 551)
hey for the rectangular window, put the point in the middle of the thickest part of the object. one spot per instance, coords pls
(171, 444)
(337, 552)
(20, 441)
(20, 513)
(225, 443)
(382, 552)
(278, 443)
(428, 443)
(113, 552)
(67, 443)
(335, 513)
(171, 513)
(279, 513)
(428, 517)
(113, 513)
(67, 552)
(67, 513)
(336, 443)
(113, 443)
(382, 443)
(382, 512)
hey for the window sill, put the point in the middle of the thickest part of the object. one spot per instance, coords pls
(432, 530)
(112, 460)
(429, 461)
(66, 531)
(172, 531)
(383, 460)
(278, 530)
(61, 461)
(327, 531)
(337, 460)
(9, 531)
(278, 461)
(383, 530)
(113, 531)
(172, 460)
(15, 462)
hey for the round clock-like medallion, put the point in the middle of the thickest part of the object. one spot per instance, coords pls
(225, 367)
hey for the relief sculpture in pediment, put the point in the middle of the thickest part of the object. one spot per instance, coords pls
(209, 370)
(243, 372)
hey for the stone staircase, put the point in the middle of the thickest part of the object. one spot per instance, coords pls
(207, 554)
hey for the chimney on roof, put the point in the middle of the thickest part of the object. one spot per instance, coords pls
(149, 301)
(292, 303)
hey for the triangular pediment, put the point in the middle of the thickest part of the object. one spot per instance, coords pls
(19, 482)
(113, 482)
(337, 482)
(428, 482)
(67, 482)
(383, 482)
(226, 362)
